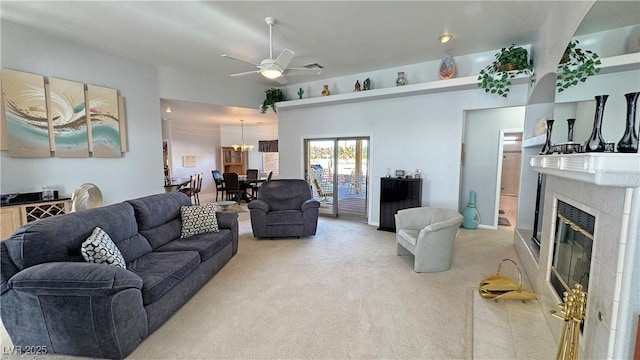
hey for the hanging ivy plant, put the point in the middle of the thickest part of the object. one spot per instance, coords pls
(509, 62)
(273, 96)
(576, 66)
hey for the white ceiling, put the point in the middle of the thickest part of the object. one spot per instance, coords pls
(343, 36)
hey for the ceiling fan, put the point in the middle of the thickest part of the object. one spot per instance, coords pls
(276, 69)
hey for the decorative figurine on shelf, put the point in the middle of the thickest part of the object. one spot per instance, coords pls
(367, 84)
(300, 92)
(417, 174)
(357, 86)
(400, 80)
(325, 91)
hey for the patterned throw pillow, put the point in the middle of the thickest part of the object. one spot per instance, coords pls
(198, 219)
(100, 249)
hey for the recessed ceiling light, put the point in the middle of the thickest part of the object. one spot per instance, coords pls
(444, 38)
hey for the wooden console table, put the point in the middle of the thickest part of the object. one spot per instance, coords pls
(12, 216)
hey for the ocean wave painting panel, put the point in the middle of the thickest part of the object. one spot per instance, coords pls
(69, 118)
(103, 114)
(106, 140)
(25, 110)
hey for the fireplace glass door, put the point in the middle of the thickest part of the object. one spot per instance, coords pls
(572, 251)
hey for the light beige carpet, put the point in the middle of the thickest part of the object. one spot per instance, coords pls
(341, 294)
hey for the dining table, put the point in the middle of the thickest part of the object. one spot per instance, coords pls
(176, 184)
(246, 184)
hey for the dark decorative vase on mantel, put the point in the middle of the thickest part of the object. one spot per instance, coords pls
(596, 142)
(570, 123)
(547, 148)
(629, 141)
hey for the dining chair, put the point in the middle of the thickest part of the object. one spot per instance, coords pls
(198, 187)
(252, 174)
(217, 178)
(232, 185)
(190, 190)
(270, 175)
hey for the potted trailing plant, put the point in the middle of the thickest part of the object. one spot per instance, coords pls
(273, 95)
(509, 62)
(576, 66)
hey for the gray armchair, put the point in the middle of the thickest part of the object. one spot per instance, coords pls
(428, 234)
(284, 208)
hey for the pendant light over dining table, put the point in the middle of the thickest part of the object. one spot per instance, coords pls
(242, 146)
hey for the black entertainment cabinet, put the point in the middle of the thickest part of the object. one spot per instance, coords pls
(397, 194)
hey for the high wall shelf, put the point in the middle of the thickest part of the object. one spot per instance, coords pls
(611, 64)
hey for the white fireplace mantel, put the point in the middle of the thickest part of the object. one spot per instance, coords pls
(608, 169)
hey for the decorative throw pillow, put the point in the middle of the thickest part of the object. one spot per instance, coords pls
(100, 249)
(198, 219)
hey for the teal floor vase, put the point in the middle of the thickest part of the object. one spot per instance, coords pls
(470, 214)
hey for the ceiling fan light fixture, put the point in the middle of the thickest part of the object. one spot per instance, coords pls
(271, 73)
(445, 38)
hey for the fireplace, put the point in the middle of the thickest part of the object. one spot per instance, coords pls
(590, 214)
(572, 248)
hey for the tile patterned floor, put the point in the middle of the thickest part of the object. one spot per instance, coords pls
(510, 330)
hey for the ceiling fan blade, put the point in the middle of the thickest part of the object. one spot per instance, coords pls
(302, 71)
(246, 73)
(236, 59)
(281, 80)
(284, 58)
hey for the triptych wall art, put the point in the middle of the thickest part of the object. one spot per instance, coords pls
(43, 117)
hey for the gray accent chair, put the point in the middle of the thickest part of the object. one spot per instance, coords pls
(284, 208)
(54, 301)
(427, 233)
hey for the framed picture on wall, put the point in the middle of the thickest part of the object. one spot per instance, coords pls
(188, 160)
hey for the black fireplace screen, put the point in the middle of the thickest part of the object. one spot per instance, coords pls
(572, 250)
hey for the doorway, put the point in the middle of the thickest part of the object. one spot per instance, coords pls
(508, 189)
(483, 138)
(337, 170)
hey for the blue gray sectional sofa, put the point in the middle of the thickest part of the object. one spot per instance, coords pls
(55, 302)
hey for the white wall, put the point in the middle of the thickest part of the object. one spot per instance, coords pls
(201, 141)
(482, 142)
(203, 87)
(139, 171)
(422, 131)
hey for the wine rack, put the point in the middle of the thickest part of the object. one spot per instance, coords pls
(40, 211)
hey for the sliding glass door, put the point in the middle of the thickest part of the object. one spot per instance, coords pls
(337, 170)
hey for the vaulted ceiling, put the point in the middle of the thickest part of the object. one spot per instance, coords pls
(344, 37)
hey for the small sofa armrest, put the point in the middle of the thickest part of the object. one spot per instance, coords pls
(227, 219)
(259, 205)
(74, 279)
(310, 204)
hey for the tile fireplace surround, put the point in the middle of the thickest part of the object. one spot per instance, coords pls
(606, 185)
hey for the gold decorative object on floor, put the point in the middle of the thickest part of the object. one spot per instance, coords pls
(572, 309)
(501, 287)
